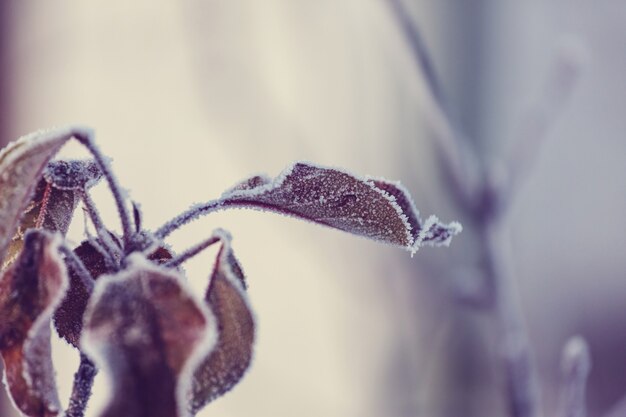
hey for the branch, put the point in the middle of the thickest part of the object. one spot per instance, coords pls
(191, 252)
(85, 136)
(111, 249)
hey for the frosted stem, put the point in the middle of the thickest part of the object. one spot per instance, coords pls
(109, 246)
(191, 252)
(86, 138)
(575, 368)
(182, 219)
(79, 268)
(81, 391)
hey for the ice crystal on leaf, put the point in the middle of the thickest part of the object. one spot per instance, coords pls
(122, 301)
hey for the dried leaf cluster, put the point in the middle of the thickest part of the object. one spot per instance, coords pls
(121, 300)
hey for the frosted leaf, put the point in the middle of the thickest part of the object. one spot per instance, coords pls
(230, 359)
(73, 174)
(376, 209)
(21, 165)
(147, 331)
(29, 292)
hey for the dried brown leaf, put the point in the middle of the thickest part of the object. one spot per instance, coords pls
(50, 208)
(147, 331)
(21, 166)
(231, 357)
(30, 290)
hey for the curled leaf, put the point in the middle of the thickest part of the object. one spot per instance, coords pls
(231, 357)
(50, 208)
(431, 231)
(29, 292)
(21, 165)
(375, 209)
(148, 332)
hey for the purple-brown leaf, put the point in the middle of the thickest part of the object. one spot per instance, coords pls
(30, 290)
(21, 165)
(68, 317)
(430, 231)
(375, 209)
(149, 333)
(229, 360)
(50, 208)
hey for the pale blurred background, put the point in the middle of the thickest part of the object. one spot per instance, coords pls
(189, 97)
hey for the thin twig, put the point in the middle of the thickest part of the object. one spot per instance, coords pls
(81, 391)
(191, 252)
(192, 214)
(109, 246)
(85, 136)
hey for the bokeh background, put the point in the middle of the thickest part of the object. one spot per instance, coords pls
(189, 97)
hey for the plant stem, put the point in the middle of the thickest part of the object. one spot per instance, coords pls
(191, 252)
(187, 216)
(85, 137)
(109, 246)
(81, 391)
